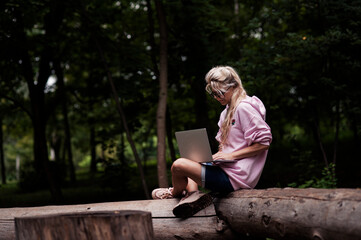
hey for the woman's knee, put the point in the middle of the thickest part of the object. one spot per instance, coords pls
(180, 165)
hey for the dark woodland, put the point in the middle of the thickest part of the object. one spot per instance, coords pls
(92, 92)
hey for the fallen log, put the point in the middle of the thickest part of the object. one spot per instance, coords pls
(274, 213)
(293, 213)
(203, 225)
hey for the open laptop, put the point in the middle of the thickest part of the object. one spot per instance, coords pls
(194, 145)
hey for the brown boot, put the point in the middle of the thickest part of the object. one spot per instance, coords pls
(192, 203)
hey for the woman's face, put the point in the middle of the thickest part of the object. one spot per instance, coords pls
(225, 98)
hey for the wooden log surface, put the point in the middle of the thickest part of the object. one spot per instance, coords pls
(203, 225)
(275, 213)
(105, 225)
(294, 213)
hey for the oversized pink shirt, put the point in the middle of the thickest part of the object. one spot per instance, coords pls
(248, 127)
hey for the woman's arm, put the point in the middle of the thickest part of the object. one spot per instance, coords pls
(250, 151)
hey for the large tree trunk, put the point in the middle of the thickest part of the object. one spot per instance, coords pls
(40, 144)
(151, 38)
(162, 103)
(64, 102)
(41, 148)
(37, 99)
(2, 160)
(170, 136)
(156, 70)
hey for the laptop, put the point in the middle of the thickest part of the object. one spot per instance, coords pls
(194, 145)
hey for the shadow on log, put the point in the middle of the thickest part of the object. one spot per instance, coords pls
(274, 213)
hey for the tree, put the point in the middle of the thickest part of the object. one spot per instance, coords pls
(162, 103)
(39, 114)
(64, 106)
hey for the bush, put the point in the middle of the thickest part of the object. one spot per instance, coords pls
(328, 179)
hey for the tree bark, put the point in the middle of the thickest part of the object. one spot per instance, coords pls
(293, 213)
(151, 38)
(108, 225)
(62, 93)
(156, 70)
(37, 100)
(170, 136)
(162, 103)
(2, 160)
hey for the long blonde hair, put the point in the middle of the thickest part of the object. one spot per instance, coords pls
(219, 79)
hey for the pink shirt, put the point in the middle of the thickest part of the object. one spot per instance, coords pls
(248, 127)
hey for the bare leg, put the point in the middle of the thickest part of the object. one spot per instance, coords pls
(186, 175)
(192, 186)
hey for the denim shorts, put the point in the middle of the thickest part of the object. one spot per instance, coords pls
(215, 179)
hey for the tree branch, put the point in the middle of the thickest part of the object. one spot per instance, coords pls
(17, 104)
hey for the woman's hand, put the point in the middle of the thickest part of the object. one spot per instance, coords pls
(221, 155)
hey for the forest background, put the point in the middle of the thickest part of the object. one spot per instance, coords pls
(64, 138)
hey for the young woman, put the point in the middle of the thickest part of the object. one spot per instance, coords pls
(243, 135)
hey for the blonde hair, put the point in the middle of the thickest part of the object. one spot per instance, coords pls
(219, 79)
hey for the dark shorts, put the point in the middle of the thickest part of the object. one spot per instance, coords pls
(215, 179)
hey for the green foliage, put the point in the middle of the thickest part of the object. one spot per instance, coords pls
(328, 179)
